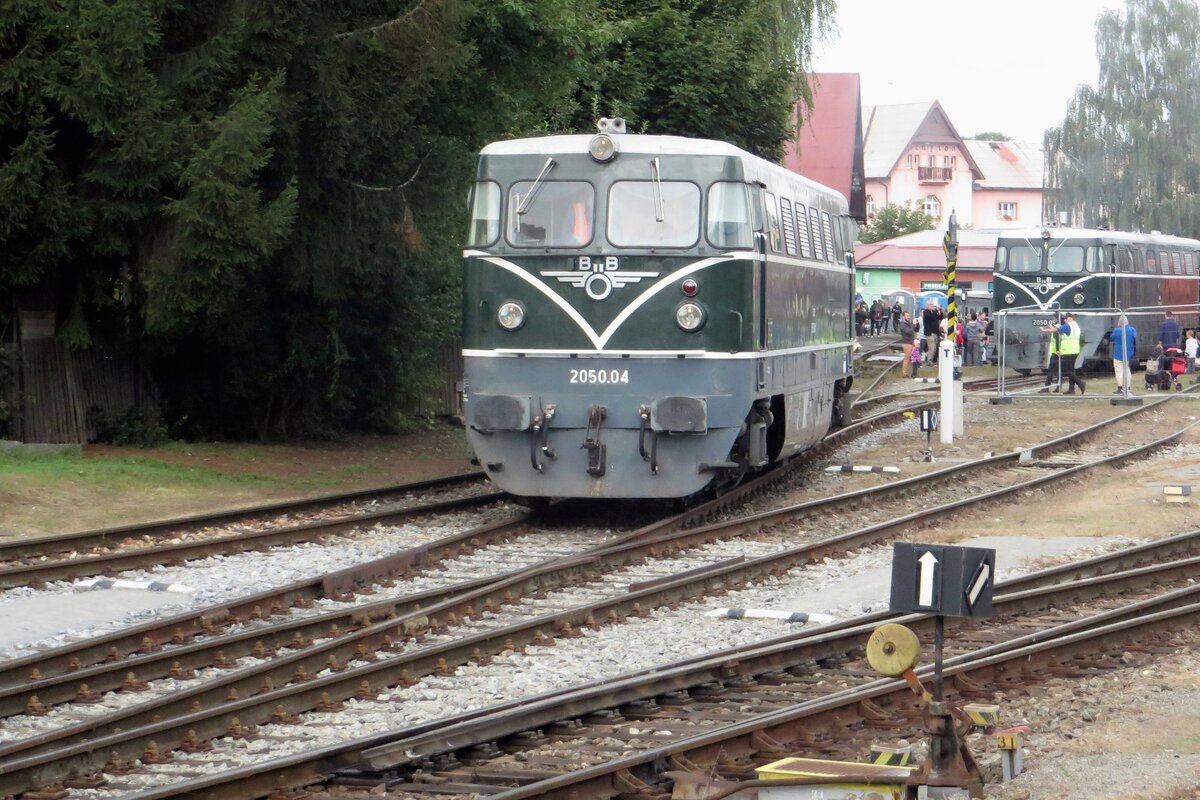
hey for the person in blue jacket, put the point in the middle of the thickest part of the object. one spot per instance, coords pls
(1124, 347)
(1168, 332)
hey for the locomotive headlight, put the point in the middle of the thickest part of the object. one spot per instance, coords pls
(1078, 298)
(602, 147)
(511, 315)
(1010, 298)
(690, 317)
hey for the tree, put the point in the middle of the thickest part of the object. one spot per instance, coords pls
(991, 136)
(895, 220)
(721, 69)
(1124, 153)
(262, 203)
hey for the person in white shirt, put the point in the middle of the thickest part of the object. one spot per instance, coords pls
(1190, 345)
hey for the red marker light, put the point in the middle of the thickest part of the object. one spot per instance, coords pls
(690, 287)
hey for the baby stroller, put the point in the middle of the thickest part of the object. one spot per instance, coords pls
(1171, 365)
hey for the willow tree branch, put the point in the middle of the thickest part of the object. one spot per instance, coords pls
(399, 186)
(384, 26)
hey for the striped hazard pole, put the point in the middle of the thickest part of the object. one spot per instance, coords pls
(950, 245)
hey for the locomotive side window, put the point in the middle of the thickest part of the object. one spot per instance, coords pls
(830, 241)
(1124, 260)
(814, 219)
(1176, 264)
(729, 215)
(485, 214)
(1189, 263)
(1001, 258)
(806, 249)
(1066, 259)
(789, 226)
(555, 213)
(1024, 258)
(634, 208)
(773, 221)
(1094, 260)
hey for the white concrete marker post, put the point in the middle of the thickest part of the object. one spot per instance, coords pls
(948, 424)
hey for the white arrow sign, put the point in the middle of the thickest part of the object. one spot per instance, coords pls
(925, 583)
(980, 582)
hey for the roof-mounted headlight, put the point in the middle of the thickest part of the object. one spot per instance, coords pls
(602, 147)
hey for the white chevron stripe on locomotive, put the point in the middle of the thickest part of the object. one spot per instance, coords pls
(601, 339)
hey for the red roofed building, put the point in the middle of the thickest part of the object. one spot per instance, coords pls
(830, 146)
(916, 263)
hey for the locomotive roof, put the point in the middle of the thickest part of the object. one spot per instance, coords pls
(626, 143)
(641, 144)
(1035, 234)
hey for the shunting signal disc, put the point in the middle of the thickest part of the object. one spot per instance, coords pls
(893, 649)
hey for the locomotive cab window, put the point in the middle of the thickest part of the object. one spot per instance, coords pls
(653, 214)
(485, 214)
(1024, 258)
(729, 215)
(553, 213)
(1066, 259)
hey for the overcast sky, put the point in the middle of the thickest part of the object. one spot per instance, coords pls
(1009, 66)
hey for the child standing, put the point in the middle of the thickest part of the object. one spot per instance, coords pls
(916, 355)
(1190, 345)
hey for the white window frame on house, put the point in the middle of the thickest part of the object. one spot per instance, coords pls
(870, 205)
(1006, 210)
(932, 202)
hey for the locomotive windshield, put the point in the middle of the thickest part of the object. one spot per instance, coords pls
(1064, 259)
(634, 208)
(560, 213)
(1023, 258)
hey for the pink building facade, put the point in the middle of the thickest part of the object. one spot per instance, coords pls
(913, 154)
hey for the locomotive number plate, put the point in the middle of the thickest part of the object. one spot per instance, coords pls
(1044, 322)
(599, 376)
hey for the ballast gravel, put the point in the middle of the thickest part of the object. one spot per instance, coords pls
(219, 579)
(662, 637)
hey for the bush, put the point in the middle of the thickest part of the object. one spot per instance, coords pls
(135, 427)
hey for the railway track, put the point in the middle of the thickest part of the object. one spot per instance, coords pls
(337, 667)
(801, 694)
(71, 556)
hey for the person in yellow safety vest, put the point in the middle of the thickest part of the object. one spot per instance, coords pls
(1065, 345)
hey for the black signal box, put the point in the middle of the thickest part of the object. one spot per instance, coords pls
(942, 579)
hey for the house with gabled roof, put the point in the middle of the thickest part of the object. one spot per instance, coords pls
(912, 154)
(1009, 195)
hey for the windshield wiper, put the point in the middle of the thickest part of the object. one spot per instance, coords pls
(660, 212)
(537, 184)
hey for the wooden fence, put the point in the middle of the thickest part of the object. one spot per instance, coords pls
(57, 393)
(445, 400)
